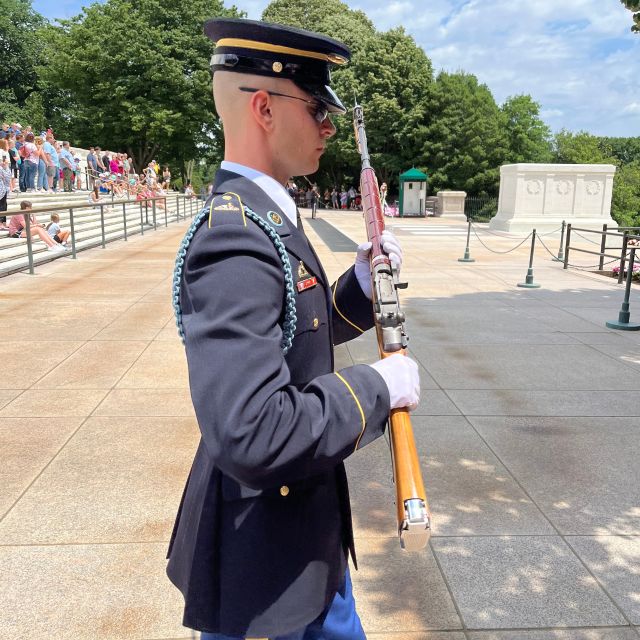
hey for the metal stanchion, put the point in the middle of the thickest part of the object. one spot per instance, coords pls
(27, 228)
(166, 222)
(467, 257)
(155, 221)
(314, 208)
(624, 315)
(178, 208)
(623, 255)
(104, 242)
(560, 257)
(141, 220)
(73, 234)
(529, 283)
(567, 245)
(124, 219)
(603, 247)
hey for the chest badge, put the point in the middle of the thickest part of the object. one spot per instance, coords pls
(275, 218)
(305, 279)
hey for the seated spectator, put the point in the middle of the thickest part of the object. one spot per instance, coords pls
(17, 227)
(54, 230)
(188, 190)
(95, 195)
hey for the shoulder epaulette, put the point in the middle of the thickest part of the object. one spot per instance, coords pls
(226, 208)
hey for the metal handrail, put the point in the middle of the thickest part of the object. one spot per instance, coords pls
(101, 205)
(604, 233)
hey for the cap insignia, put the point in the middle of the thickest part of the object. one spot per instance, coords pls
(277, 67)
(275, 218)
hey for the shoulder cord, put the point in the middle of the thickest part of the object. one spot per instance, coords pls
(290, 318)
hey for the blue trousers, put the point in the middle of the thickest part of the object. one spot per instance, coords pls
(339, 621)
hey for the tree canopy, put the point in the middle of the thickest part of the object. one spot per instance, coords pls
(528, 137)
(137, 80)
(633, 5)
(21, 52)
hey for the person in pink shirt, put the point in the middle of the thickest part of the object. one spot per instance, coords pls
(17, 228)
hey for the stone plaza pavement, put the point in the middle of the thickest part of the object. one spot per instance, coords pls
(528, 430)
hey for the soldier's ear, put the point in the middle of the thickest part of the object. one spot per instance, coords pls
(261, 105)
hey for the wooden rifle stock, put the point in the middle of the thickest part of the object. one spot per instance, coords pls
(414, 520)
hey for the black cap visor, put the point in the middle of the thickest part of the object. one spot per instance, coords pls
(326, 95)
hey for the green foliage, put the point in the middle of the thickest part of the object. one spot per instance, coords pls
(133, 76)
(626, 150)
(390, 76)
(466, 139)
(625, 205)
(21, 51)
(581, 148)
(633, 5)
(528, 137)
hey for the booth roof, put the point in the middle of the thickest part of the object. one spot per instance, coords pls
(413, 175)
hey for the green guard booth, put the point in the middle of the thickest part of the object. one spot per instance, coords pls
(413, 193)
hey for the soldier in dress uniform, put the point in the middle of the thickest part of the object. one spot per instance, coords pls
(263, 533)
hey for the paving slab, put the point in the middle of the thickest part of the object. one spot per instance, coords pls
(469, 490)
(524, 402)
(27, 445)
(581, 472)
(617, 633)
(419, 599)
(146, 402)
(22, 365)
(141, 321)
(117, 480)
(85, 592)
(55, 320)
(96, 365)
(7, 395)
(524, 366)
(615, 562)
(502, 582)
(162, 366)
(43, 403)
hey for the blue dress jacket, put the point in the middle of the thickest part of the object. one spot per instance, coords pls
(260, 543)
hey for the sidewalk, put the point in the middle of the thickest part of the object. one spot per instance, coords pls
(528, 429)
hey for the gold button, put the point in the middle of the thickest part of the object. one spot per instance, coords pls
(277, 67)
(316, 322)
(284, 491)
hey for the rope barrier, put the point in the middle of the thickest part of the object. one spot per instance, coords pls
(493, 250)
(493, 233)
(575, 266)
(584, 237)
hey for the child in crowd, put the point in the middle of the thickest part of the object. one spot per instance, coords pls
(17, 227)
(54, 230)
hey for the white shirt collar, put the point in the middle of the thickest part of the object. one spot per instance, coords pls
(270, 186)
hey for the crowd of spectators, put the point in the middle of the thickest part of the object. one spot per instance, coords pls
(333, 198)
(35, 162)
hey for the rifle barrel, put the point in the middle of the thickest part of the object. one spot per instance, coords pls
(414, 521)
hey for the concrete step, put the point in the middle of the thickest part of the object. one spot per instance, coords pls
(88, 234)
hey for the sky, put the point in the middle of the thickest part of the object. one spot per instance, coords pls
(577, 58)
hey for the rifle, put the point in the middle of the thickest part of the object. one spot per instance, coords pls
(414, 521)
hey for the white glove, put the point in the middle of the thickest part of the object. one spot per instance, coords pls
(402, 379)
(390, 246)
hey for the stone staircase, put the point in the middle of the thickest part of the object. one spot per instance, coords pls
(87, 223)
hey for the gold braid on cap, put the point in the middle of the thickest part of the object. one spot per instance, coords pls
(276, 48)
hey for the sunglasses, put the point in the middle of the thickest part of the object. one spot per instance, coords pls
(320, 111)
